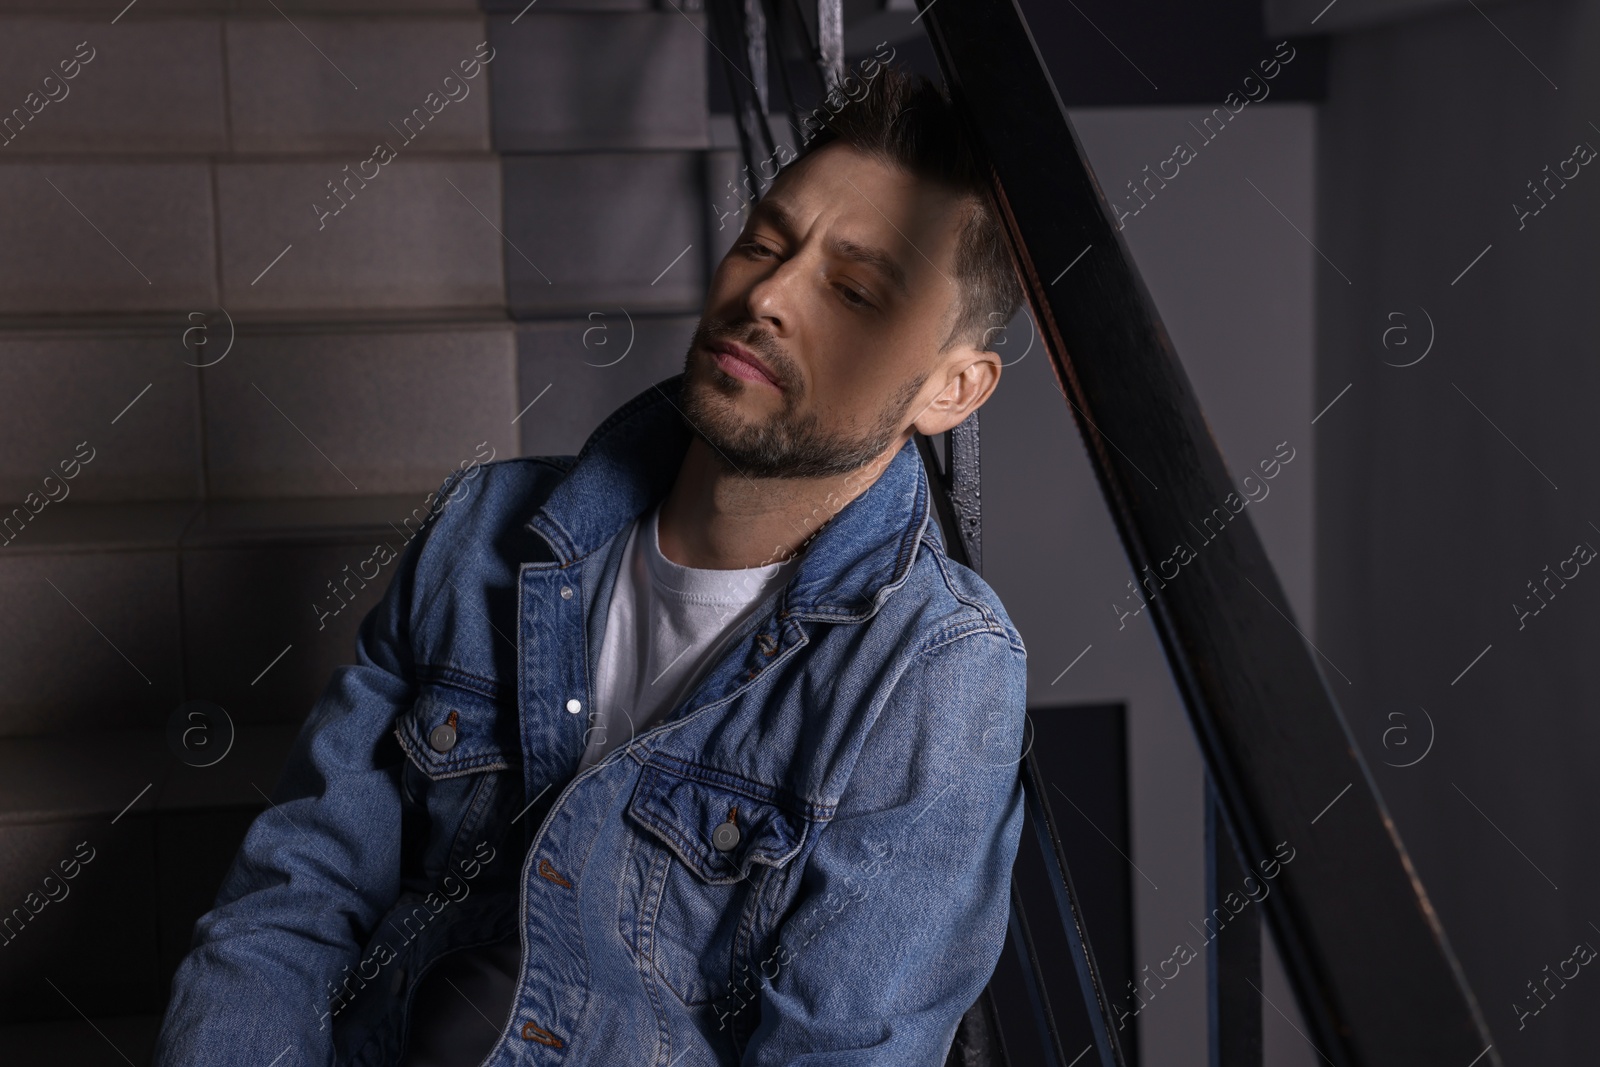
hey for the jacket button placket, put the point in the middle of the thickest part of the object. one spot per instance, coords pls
(552, 682)
(552, 686)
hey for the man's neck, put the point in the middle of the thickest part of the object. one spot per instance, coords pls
(717, 518)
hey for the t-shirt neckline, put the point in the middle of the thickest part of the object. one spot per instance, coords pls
(737, 585)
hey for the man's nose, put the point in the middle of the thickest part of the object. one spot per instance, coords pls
(770, 301)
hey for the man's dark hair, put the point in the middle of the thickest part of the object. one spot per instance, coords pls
(908, 122)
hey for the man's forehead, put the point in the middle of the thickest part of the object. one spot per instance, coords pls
(878, 191)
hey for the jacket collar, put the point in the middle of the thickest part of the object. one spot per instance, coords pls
(631, 460)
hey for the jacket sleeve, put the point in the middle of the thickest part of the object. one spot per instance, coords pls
(317, 869)
(903, 904)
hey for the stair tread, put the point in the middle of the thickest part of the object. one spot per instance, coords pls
(303, 518)
(89, 775)
(104, 526)
(101, 526)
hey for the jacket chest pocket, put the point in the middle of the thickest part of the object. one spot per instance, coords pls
(461, 778)
(705, 846)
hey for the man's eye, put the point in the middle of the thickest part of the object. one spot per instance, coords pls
(853, 298)
(753, 247)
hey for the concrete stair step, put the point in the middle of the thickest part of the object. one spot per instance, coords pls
(111, 846)
(120, 774)
(155, 603)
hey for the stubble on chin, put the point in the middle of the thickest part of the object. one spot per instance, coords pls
(710, 404)
(786, 443)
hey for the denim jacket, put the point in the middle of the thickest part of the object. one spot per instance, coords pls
(807, 861)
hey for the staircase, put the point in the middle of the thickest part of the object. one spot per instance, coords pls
(272, 341)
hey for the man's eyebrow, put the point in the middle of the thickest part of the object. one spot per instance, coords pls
(886, 264)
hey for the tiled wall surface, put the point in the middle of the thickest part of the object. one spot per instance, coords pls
(275, 338)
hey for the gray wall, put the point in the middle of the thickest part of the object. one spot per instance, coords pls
(1440, 489)
(1233, 283)
(1445, 487)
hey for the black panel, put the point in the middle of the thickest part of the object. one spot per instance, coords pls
(1082, 756)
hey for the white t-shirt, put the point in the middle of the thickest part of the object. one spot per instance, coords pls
(665, 627)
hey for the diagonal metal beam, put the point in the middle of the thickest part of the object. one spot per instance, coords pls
(1375, 976)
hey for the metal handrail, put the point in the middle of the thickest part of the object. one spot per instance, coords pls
(744, 27)
(1377, 982)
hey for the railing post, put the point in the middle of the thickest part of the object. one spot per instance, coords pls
(1233, 964)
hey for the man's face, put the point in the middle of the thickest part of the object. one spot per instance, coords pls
(842, 284)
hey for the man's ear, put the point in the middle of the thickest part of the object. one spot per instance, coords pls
(974, 373)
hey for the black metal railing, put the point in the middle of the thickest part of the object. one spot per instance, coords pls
(748, 35)
(1376, 982)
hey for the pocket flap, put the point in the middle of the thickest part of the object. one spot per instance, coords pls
(482, 736)
(683, 804)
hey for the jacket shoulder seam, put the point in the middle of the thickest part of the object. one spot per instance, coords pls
(955, 630)
(990, 620)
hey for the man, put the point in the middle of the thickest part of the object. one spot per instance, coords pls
(694, 748)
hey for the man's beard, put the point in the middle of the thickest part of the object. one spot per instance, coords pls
(788, 445)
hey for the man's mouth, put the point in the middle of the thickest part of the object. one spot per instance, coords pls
(740, 362)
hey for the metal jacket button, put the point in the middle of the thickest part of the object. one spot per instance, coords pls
(566, 592)
(443, 737)
(726, 835)
(535, 1032)
(574, 705)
